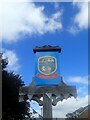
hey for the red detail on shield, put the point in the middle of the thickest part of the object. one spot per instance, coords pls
(47, 76)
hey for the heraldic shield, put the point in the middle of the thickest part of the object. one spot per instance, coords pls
(47, 65)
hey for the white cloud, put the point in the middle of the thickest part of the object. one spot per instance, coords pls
(80, 20)
(81, 83)
(78, 79)
(66, 106)
(69, 106)
(12, 60)
(22, 17)
(82, 90)
(72, 104)
(57, 5)
(81, 0)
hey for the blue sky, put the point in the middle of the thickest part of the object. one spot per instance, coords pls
(37, 24)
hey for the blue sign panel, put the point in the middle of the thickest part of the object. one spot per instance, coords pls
(47, 71)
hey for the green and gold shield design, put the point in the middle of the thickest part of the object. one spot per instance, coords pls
(47, 65)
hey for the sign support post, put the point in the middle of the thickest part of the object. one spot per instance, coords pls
(47, 107)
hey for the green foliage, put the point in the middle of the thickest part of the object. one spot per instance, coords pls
(11, 82)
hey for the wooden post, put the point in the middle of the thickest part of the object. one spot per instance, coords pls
(47, 107)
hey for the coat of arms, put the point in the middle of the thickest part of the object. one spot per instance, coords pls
(47, 65)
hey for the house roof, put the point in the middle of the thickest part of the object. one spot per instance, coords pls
(82, 112)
